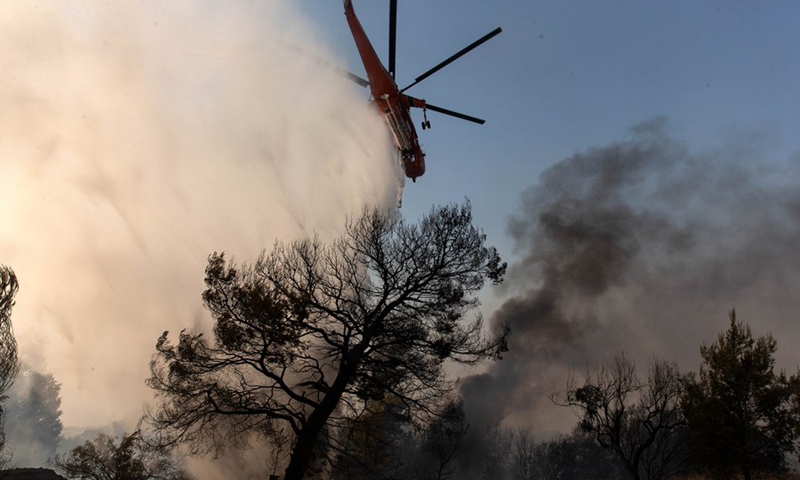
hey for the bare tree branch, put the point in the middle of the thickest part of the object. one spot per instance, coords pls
(638, 421)
(313, 333)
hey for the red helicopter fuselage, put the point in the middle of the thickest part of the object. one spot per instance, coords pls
(394, 106)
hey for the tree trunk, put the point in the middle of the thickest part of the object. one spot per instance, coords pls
(303, 452)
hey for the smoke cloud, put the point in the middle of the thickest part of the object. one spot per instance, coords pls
(641, 246)
(137, 138)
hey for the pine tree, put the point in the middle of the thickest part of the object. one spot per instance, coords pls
(741, 414)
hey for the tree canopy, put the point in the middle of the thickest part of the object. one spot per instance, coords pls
(9, 361)
(33, 417)
(741, 413)
(314, 334)
(129, 459)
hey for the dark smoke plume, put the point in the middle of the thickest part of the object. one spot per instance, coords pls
(640, 246)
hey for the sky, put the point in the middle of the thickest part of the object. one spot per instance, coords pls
(138, 139)
(597, 113)
(565, 76)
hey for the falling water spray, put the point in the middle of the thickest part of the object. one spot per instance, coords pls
(138, 137)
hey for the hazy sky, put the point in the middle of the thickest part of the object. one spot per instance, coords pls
(135, 137)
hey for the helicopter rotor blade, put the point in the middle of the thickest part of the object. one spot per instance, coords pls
(462, 116)
(351, 76)
(392, 35)
(452, 113)
(456, 56)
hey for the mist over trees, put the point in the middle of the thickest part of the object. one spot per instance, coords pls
(661, 425)
(522, 453)
(33, 418)
(333, 355)
(129, 458)
(315, 335)
(383, 445)
(735, 418)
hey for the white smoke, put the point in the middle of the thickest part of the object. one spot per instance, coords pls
(138, 137)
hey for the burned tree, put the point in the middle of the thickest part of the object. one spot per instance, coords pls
(313, 333)
(641, 422)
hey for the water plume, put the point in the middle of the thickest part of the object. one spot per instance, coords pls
(139, 137)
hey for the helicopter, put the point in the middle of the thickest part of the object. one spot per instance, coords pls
(391, 101)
